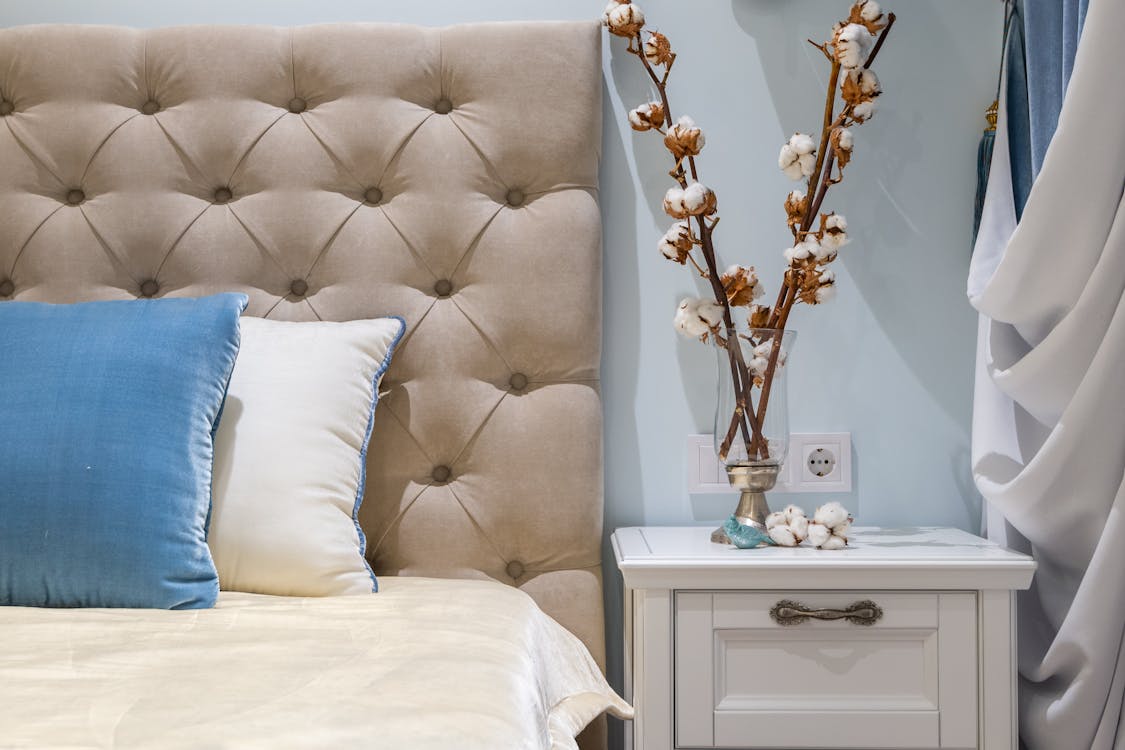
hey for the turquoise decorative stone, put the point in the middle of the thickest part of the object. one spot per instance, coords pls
(746, 537)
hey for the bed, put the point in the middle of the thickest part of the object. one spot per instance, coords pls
(335, 173)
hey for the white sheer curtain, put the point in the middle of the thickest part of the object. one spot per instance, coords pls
(1049, 415)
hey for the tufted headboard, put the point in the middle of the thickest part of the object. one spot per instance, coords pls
(351, 171)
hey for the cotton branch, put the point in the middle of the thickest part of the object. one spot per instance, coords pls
(817, 236)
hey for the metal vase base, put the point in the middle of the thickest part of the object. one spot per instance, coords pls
(754, 480)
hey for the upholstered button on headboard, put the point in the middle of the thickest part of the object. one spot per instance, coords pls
(351, 171)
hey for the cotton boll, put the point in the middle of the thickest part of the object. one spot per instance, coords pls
(786, 157)
(831, 244)
(647, 116)
(842, 529)
(842, 143)
(868, 82)
(687, 320)
(850, 44)
(624, 19)
(677, 242)
(693, 194)
(827, 253)
(783, 535)
(776, 518)
(685, 138)
(869, 14)
(831, 514)
(710, 312)
(859, 90)
(658, 50)
(834, 542)
(800, 251)
(835, 232)
(800, 527)
(797, 158)
(818, 250)
(682, 320)
(764, 352)
(802, 144)
(860, 85)
(759, 364)
(795, 206)
(699, 200)
(741, 285)
(827, 276)
(789, 162)
(674, 203)
(808, 164)
(825, 293)
(670, 251)
(817, 533)
(791, 511)
(864, 111)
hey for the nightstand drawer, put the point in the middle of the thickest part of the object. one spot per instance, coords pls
(744, 680)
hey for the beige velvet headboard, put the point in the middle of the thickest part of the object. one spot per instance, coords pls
(351, 171)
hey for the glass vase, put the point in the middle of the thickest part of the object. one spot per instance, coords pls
(752, 418)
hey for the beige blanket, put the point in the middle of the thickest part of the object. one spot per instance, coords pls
(423, 664)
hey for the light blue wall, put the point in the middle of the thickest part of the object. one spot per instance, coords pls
(890, 360)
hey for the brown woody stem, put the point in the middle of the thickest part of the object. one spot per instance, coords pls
(879, 42)
(825, 134)
(821, 179)
(640, 53)
(775, 352)
(814, 205)
(744, 413)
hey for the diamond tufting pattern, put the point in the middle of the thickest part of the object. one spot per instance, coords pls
(350, 171)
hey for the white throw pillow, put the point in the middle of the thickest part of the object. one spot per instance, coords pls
(290, 454)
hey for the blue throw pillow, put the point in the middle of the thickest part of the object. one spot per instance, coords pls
(107, 418)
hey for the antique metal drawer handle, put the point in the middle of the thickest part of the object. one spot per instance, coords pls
(787, 612)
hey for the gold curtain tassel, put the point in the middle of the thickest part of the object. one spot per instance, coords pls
(992, 114)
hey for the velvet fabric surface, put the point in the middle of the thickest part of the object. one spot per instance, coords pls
(106, 443)
(347, 172)
(1042, 44)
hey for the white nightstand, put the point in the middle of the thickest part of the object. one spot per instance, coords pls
(714, 658)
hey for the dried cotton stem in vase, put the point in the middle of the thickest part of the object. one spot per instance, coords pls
(850, 50)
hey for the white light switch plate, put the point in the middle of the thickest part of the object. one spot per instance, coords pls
(805, 470)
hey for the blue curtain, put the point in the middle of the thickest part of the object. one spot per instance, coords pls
(1042, 40)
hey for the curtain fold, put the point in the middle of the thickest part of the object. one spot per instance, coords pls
(1048, 277)
(1042, 44)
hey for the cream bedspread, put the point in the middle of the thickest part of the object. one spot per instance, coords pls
(425, 663)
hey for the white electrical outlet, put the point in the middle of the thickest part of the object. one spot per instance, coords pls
(820, 462)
